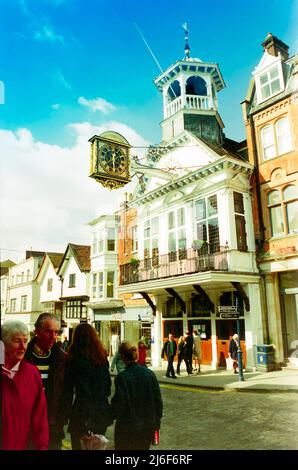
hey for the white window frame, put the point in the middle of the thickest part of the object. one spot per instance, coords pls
(274, 143)
(267, 72)
(24, 300)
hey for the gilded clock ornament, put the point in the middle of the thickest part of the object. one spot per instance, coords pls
(110, 160)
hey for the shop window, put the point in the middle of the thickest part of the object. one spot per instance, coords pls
(172, 309)
(173, 327)
(202, 326)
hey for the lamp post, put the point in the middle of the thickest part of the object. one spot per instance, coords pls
(239, 350)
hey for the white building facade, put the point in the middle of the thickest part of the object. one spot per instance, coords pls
(194, 222)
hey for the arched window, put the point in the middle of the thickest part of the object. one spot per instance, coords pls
(283, 136)
(196, 86)
(174, 91)
(290, 197)
(267, 136)
(276, 139)
(283, 210)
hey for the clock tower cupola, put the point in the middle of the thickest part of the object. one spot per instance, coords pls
(189, 89)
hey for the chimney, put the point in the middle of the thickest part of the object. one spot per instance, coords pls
(273, 46)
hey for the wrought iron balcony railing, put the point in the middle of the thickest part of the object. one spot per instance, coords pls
(177, 263)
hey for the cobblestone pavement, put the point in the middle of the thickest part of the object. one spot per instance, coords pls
(196, 419)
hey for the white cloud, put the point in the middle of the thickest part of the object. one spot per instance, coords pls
(46, 196)
(55, 106)
(97, 104)
(48, 34)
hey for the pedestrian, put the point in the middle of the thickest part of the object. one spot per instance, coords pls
(233, 348)
(170, 349)
(24, 406)
(117, 361)
(65, 344)
(137, 404)
(50, 360)
(181, 353)
(142, 353)
(197, 350)
(114, 345)
(188, 351)
(88, 385)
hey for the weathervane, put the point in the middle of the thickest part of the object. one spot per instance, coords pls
(186, 47)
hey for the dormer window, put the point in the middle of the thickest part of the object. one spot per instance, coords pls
(269, 81)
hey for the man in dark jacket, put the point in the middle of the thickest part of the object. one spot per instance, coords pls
(188, 351)
(50, 360)
(170, 348)
(137, 404)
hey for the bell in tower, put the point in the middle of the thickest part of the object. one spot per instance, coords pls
(189, 88)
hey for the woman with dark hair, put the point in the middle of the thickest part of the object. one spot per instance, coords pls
(88, 382)
(137, 404)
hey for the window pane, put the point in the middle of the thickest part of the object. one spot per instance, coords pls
(283, 136)
(274, 197)
(240, 233)
(154, 226)
(200, 209)
(147, 229)
(213, 234)
(292, 216)
(265, 91)
(273, 73)
(275, 86)
(154, 243)
(238, 203)
(202, 231)
(277, 227)
(181, 239)
(290, 192)
(171, 220)
(172, 242)
(212, 205)
(181, 217)
(267, 137)
(263, 79)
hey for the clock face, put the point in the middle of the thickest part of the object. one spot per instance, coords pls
(112, 159)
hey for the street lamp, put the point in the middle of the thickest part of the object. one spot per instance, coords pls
(239, 350)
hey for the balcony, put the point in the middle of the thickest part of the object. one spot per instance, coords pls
(177, 263)
(191, 102)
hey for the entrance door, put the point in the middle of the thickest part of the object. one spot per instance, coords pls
(224, 332)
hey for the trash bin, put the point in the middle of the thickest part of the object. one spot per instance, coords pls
(265, 358)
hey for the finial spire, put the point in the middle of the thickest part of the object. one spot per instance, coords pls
(186, 47)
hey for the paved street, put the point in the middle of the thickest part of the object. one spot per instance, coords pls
(208, 420)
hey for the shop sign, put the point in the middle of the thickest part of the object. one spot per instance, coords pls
(116, 316)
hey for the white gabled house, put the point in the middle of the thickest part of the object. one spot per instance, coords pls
(50, 284)
(24, 291)
(74, 272)
(4, 277)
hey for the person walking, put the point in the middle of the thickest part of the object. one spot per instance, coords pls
(170, 349)
(114, 344)
(188, 351)
(24, 406)
(137, 403)
(197, 350)
(50, 360)
(233, 348)
(88, 385)
(117, 361)
(181, 353)
(142, 353)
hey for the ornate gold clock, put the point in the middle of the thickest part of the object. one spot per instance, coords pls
(110, 160)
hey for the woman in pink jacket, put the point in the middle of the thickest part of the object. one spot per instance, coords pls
(24, 408)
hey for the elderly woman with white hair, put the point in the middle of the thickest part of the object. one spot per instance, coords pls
(233, 348)
(24, 408)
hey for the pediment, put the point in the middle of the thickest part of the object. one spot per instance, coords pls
(267, 61)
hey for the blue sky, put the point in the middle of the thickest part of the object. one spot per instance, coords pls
(70, 67)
